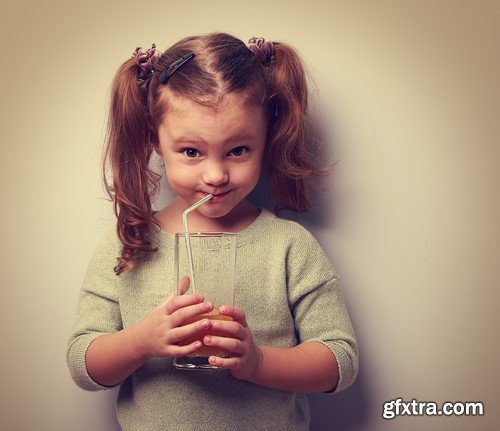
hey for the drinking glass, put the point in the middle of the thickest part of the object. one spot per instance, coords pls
(214, 265)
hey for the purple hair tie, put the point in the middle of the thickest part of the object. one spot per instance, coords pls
(264, 49)
(145, 61)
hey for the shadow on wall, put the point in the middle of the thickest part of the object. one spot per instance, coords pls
(348, 410)
(318, 217)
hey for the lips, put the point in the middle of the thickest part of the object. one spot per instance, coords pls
(218, 196)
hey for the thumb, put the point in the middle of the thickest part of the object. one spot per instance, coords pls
(184, 285)
(183, 288)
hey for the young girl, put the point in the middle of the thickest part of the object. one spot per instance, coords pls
(219, 113)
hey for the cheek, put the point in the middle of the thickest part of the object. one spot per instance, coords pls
(181, 176)
(248, 174)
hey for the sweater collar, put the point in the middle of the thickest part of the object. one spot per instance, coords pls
(258, 227)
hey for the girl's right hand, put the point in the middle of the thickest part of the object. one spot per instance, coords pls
(158, 333)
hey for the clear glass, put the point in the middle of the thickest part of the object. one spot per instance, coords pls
(214, 264)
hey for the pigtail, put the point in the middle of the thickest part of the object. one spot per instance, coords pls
(128, 149)
(289, 161)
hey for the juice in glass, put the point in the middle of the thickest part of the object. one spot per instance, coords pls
(205, 350)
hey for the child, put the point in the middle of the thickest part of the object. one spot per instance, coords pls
(218, 112)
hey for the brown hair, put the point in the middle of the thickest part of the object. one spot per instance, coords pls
(223, 64)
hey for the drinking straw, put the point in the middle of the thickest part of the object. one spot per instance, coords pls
(186, 235)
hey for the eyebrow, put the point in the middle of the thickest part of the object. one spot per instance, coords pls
(194, 139)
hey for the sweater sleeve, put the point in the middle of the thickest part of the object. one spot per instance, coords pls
(318, 306)
(97, 310)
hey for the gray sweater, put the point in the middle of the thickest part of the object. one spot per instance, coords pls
(290, 294)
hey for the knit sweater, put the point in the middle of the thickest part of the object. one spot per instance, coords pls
(290, 294)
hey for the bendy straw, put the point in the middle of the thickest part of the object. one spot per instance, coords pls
(186, 235)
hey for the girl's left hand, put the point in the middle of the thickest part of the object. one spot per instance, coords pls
(245, 355)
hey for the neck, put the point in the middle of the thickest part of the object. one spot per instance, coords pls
(238, 219)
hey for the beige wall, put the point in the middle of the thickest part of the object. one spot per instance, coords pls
(412, 93)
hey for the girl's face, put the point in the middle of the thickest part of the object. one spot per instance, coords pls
(213, 152)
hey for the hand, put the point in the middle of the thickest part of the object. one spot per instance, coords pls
(158, 333)
(245, 355)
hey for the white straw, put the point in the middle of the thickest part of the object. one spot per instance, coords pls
(186, 235)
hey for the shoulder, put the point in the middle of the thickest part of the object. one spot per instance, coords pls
(109, 241)
(302, 250)
(295, 241)
(106, 252)
(290, 232)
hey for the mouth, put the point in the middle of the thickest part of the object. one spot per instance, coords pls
(217, 197)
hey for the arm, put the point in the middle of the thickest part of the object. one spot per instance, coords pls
(326, 356)
(318, 306)
(297, 369)
(98, 312)
(100, 352)
(307, 367)
(111, 358)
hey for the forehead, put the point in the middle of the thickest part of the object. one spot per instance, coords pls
(231, 105)
(232, 116)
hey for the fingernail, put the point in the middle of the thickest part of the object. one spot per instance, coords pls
(223, 309)
(208, 339)
(209, 305)
(204, 323)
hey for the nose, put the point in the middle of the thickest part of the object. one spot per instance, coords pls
(215, 173)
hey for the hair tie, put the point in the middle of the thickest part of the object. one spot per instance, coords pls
(145, 61)
(264, 49)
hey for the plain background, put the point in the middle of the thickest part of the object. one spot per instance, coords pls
(411, 93)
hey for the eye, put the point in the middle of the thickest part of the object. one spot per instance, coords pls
(190, 152)
(238, 151)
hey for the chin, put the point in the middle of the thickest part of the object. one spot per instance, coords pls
(218, 209)
(214, 212)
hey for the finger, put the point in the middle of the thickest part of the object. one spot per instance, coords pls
(227, 327)
(183, 288)
(184, 314)
(184, 285)
(166, 300)
(182, 332)
(231, 344)
(236, 313)
(182, 301)
(229, 363)
(175, 350)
